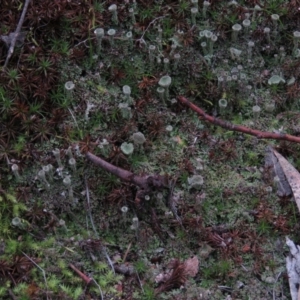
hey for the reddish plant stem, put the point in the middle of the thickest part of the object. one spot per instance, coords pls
(84, 277)
(259, 134)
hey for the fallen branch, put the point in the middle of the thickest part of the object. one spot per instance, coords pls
(259, 134)
(146, 183)
(16, 33)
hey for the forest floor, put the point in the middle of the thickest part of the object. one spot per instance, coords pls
(89, 77)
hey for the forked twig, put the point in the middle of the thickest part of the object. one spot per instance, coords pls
(146, 183)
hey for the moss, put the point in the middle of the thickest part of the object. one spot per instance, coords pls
(227, 212)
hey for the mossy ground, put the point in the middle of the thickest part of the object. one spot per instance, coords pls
(234, 224)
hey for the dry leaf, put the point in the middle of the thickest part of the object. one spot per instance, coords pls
(271, 160)
(292, 176)
(191, 266)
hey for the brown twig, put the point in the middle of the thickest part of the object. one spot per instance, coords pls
(84, 277)
(259, 134)
(144, 182)
(126, 253)
(119, 172)
(16, 34)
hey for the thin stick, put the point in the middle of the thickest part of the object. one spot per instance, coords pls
(16, 34)
(84, 277)
(259, 134)
(140, 282)
(74, 118)
(12, 295)
(94, 228)
(153, 21)
(126, 253)
(98, 288)
(89, 207)
(42, 270)
(108, 259)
